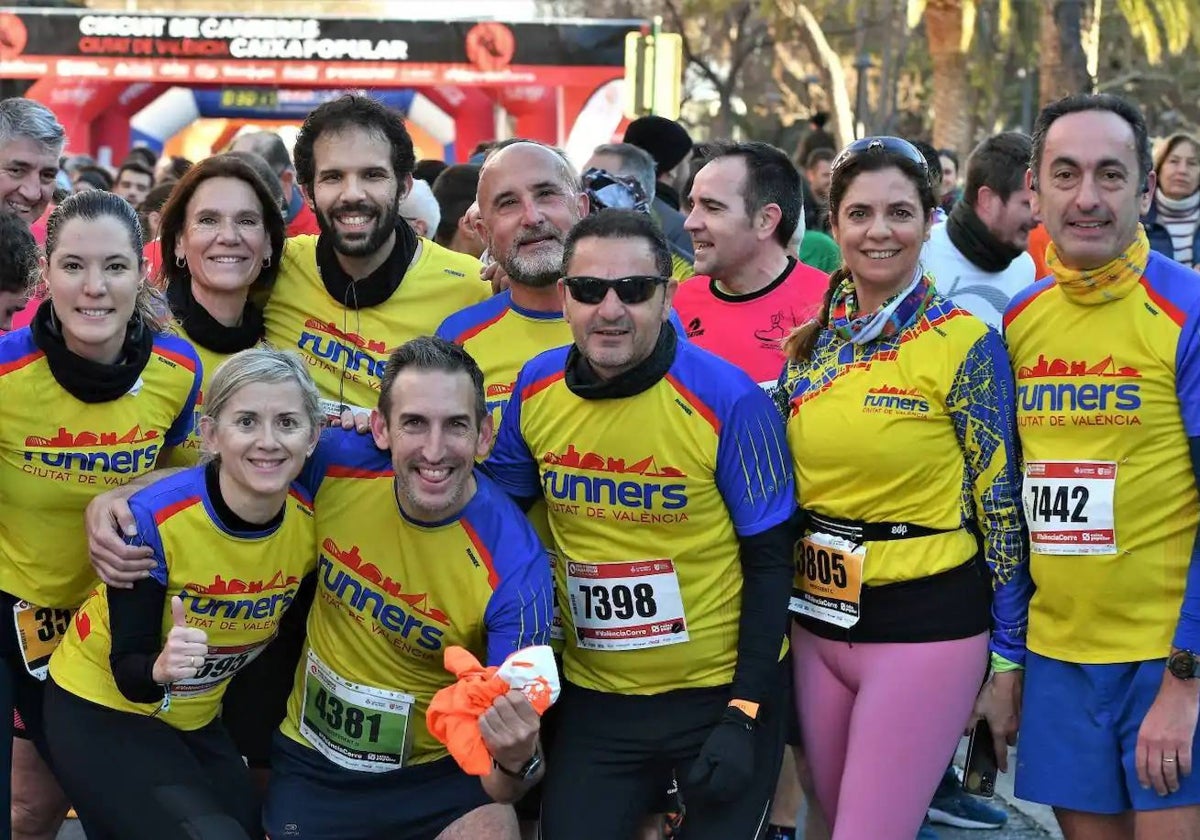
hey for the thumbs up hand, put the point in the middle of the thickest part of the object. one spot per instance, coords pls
(183, 654)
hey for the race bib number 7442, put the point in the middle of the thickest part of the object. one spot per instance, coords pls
(1069, 506)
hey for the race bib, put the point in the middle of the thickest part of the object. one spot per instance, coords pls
(333, 408)
(357, 727)
(626, 606)
(39, 630)
(1069, 506)
(220, 664)
(829, 573)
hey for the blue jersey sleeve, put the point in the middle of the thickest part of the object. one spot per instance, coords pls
(314, 468)
(511, 463)
(754, 469)
(147, 535)
(182, 427)
(349, 451)
(1187, 374)
(522, 606)
(1187, 388)
(675, 321)
(982, 406)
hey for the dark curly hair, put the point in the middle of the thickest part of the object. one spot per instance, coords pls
(352, 111)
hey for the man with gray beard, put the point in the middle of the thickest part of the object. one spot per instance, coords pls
(529, 199)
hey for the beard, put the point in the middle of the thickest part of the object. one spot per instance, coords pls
(540, 269)
(355, 245)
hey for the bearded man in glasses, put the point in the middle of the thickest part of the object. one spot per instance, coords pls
(669, 492)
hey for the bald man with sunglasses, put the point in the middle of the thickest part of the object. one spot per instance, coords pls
(667, 481)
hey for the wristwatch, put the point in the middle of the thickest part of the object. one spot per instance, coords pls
(1184, 665)
(527, 770)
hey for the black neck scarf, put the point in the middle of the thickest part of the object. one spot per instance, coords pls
(207, 331)
(975, 242)
(585, 384)
(231, 521)
(377, 286)
(88, 381)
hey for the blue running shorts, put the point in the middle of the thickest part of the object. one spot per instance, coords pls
(1078, 738)
(311, 798)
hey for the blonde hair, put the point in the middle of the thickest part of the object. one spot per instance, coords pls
(263, 365)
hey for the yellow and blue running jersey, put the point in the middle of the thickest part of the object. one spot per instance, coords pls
(234, 586)
(346, 348)
(394, 594)
(917, 427)
(647, 497)
(1108, 395)
(57, 453)
(501, 337)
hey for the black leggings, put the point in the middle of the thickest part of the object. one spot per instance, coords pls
(133, 777)
(613, 755)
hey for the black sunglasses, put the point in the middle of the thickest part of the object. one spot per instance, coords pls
(591, 290)
(877, 145)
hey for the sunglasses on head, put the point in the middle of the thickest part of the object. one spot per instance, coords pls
(638, 288)
(879, 145)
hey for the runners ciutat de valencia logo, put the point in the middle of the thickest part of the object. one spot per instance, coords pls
(1101, 393)
(68, 456)
(358, 586)
(594, 485)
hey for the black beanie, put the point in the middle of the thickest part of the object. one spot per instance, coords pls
(666, 140)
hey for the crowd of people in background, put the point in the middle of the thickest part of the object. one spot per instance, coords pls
(802, 464)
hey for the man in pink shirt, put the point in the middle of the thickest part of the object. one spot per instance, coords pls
(749, 292)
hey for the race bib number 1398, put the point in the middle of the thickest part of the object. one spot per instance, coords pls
(625, 606)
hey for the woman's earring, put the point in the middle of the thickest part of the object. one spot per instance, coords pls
(180, 262)
(267, 261)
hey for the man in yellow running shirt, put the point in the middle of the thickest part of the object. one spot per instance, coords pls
(1107, 362)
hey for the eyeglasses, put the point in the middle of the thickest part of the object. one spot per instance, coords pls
(880, 145)
(638, 288)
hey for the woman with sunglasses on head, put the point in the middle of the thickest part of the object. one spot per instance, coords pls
(92, 395)
(137, 683)
(901, 430)
(220, 232)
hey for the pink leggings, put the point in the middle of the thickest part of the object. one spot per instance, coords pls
(880, 723)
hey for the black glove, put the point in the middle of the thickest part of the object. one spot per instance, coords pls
(725, 764)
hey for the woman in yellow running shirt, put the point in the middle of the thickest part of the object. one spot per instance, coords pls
(92, 395)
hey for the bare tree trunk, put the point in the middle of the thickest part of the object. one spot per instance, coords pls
(892, 67)
(951, 107)
(1062, 61)
(829, 67)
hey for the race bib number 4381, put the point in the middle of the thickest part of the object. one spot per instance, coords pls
(1069, 506)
